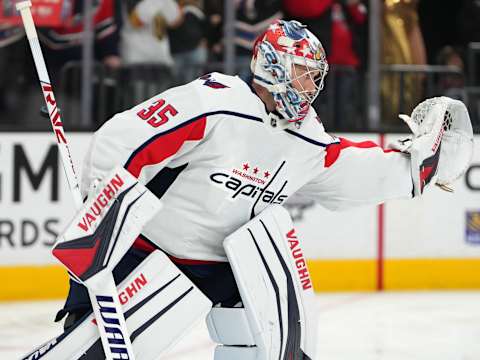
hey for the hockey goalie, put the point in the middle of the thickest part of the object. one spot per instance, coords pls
(223, 156)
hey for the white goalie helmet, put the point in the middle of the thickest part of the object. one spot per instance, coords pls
(275, 54)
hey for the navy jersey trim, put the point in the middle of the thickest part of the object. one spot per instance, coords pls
(275, 288)
(311, 141)
(294, 337)
(162, 181)
(198, 117)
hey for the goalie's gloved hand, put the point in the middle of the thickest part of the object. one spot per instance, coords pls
(441, 145)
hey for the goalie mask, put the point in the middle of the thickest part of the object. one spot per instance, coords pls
(282, 56)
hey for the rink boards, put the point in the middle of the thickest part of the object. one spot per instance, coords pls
(427, 243)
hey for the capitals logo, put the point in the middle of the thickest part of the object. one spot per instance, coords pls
(251, 182)
(211, 82)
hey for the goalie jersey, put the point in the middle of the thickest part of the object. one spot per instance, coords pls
(209, 151)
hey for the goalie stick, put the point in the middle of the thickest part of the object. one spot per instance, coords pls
(108, 285)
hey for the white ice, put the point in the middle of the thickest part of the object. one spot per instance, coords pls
(353, 326)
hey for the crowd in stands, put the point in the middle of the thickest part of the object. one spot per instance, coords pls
(184, 38)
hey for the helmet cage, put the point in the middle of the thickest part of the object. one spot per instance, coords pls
(283, 73)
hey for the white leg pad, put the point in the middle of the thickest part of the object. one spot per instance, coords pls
(275, 287)
(160, 304)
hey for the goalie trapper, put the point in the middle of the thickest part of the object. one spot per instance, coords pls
(441, 146)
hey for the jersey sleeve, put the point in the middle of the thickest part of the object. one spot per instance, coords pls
(359, 173)
(147, 137)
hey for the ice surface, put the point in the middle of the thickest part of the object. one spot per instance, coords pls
(353, 326)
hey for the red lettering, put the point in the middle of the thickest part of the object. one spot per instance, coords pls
(83, 225)
(438, 139)
(56, 120)
(293, 244)
(154, 122)
(297, 253)
(96, 209)
(145, 114)
(117, 182)
(60, 136)
(101, 200)
(306, 284)
(303, 273)
(291, 234)
(140, 281)
(123, 298)
(90, 219)
(163, 115)
(108, 192)
(131, 290)
(50, 99)
(300, 263)
(157, 114)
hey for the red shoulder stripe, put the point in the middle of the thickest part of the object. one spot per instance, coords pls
(334, 150)
(166, 145)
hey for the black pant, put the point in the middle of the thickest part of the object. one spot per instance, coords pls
(216, 281)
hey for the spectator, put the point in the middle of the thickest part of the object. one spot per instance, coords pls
(468, 23)
(433, 16)
(451, 84)
(18, 81)
(316, 14)
(144, 35)
(11, 58)
(188, 42)
(402, 43)
(449, 45)
(252, 19)
(65, 43)
(345, 61)
(214, 29)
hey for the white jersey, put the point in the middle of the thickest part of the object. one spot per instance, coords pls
(204, 149)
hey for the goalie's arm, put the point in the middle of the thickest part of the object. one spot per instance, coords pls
(354, 174)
